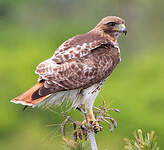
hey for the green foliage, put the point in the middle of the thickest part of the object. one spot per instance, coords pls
(142, 143)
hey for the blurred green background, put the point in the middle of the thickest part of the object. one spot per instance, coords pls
(31, 30)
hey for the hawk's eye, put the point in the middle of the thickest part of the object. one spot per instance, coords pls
(111, 23)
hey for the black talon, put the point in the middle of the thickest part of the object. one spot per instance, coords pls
(78, 108)
(82, 127)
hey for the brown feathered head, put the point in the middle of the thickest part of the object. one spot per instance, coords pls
(112, 25)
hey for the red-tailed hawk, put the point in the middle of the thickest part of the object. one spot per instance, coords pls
(78, 68)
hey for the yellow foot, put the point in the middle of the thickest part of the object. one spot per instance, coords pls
(93, 122)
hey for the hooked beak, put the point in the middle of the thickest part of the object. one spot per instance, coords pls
(123, 28)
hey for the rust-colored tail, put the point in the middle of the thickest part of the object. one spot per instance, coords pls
(31, 96)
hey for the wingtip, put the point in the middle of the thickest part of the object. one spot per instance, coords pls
(20, 102)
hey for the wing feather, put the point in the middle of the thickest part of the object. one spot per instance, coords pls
(78, 63)
(82, 72)
(77, 47)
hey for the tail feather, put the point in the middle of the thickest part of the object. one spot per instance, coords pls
(31, 96)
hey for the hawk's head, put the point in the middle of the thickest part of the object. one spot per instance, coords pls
(112, 25)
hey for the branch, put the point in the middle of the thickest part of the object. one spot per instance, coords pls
(92, 141)
(90, 132)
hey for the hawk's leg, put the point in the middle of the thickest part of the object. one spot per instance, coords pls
(91, 116)
(94, 121)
